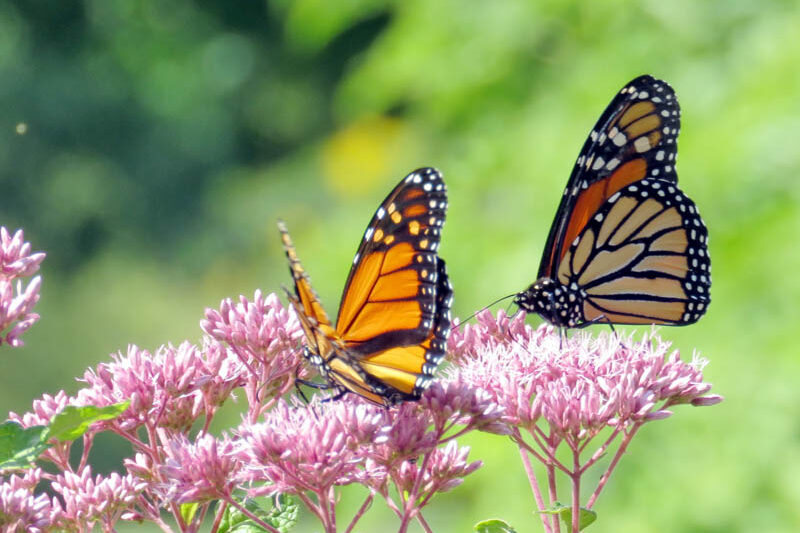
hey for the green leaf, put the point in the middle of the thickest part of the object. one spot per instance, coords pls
(20, 447)
(493, 525)
(282, 516)
(587, 516)
(188, 510)
(72, 421)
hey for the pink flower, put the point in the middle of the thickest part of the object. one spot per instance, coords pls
(83, 501)
(419, 456)
(444, 470)
(578, 385)
(20, 509)
(171, 388)
(199, 471)
(265, 336)
(16, 300)
(309, 448)
(446, 410)
(452, 402)
(44, 410)
(565, 390)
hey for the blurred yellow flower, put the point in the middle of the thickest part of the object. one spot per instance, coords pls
(359, 156)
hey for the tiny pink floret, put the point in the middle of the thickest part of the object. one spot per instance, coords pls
(16, 299)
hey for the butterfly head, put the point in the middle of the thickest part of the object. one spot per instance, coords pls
(558, 304)
(539, 298)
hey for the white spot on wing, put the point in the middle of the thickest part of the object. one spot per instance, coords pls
(642, 144)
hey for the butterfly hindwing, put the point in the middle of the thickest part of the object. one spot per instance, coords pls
(400, 372)
(642, 259)
(305, 302)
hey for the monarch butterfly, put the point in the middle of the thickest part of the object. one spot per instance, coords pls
(394, 316)
(626, 246)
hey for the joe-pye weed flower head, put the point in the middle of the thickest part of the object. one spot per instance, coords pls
(563, 392)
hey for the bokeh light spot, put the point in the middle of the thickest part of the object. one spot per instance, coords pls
(357, 158)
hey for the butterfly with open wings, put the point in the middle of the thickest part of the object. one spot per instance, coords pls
(394, 316)
(626, 246)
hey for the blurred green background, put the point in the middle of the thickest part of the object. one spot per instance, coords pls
(163, 139)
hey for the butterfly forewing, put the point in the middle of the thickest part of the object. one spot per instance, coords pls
(635, 138)
(390, 295)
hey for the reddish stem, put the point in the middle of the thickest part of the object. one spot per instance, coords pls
(424, 523)
(617, 456)
(218, 517)
(576, 491)
(600, 451)
(360, 512)
(87, 446)
(553, 494)
(537, 494)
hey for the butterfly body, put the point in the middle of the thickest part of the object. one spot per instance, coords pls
(627, 246)
(394, 317)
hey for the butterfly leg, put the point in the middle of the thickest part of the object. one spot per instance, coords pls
(298, 382)
(338, 396)
(599, 319)
(313, 385)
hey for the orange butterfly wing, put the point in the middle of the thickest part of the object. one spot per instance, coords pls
(394, 316)
(320, 335)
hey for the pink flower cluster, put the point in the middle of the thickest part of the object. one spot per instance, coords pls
(21, 509)
(406, 454)
(560, 392)
(169, 389)
(252, 346)
(200, 471)
(264, 336)
(86, 500)
(577, 385)
(309, 450)
(419, 456)
(299, 448)
(17, 300)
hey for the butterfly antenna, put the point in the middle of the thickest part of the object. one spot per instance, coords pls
(482, 309)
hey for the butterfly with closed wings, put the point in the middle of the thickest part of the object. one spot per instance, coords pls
(394, 316)
(626, 246)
